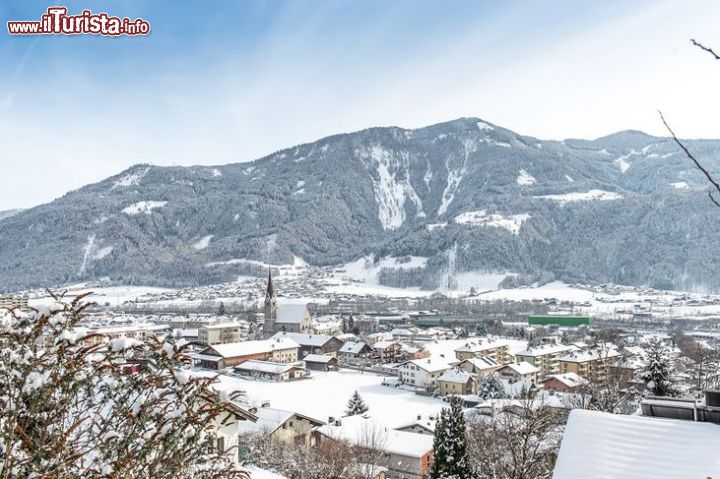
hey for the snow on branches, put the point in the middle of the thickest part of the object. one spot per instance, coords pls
(70, 407)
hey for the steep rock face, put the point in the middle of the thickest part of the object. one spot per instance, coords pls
(465, 195)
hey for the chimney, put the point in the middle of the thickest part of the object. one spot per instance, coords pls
(338, 422)
(331, 420)
(419, 417)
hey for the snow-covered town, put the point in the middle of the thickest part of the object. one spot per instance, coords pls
(374, 373)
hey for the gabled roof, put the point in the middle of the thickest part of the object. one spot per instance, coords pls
(318, 358)
(456, 376)
(266, 367)
(358, 429)
(522, 368)
(482, 363)
(570, 380)
(291, 313)
(598, 445)
(430, 365)
(244, 348)
(352, 347)
(269, 419)
(313, 340)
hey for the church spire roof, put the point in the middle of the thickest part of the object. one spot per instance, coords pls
(270, 292)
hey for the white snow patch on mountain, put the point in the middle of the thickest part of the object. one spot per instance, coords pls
(622, 161)
(435, 226)
(300, 184)
(301, 191)
(131, 179)
(455, 176)
(569, 178)
(525, 179)
(143, 207)
(482, 218)
(680, 185)
(216, 172)
(591, 195)
(91, 252)
(367, 269)
(392, 187)
(203, 243)
(482, 126)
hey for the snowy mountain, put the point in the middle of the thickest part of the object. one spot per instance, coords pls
(466, 197)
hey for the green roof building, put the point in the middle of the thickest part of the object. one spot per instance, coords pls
(563, 321)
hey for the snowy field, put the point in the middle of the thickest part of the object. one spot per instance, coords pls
(327, 394)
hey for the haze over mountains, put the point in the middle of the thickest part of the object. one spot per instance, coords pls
(448, 201)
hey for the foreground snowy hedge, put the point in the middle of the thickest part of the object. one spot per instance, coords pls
(69, 408)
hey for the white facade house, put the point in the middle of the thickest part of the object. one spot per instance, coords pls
(422, 373)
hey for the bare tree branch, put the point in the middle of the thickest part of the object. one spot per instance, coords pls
(707, 174)
(703, 47)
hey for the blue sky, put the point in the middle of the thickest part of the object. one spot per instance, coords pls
(227, 81)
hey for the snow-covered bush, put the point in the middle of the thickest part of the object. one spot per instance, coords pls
(70, 407)
(491, 388)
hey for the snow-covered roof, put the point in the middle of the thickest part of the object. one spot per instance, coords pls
(431, 365)
(589, 355)
(483, 363)
(268, 420)
(222, 325)
(384, 344)
(291, 313)
(480, 345)
(318, 358)
(352, 347)
(456, 376)
(599, 445)
(313, 340)
(523, 368)
(268, 367)
(243, 348)
(570, 380)
(361, 431)
(545, 349)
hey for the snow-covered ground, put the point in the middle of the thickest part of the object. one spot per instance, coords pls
(327, 394)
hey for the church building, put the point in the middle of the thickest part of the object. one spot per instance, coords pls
(290, 318)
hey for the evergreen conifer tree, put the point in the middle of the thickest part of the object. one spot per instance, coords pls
(356, 405)
(450, 444)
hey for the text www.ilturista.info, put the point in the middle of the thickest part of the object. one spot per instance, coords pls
(57, 22)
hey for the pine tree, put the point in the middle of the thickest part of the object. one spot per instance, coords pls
(658, 371)
(450, 444)
(491, 388)
(356, 405)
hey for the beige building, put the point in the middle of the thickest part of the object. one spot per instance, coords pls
(593, 365)
(456, 382)
(545, 357)
(220, 333)
(286, 427)
(498, 350)
(221, 356)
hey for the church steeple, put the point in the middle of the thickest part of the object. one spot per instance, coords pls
(270, 308)
(270, 291)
